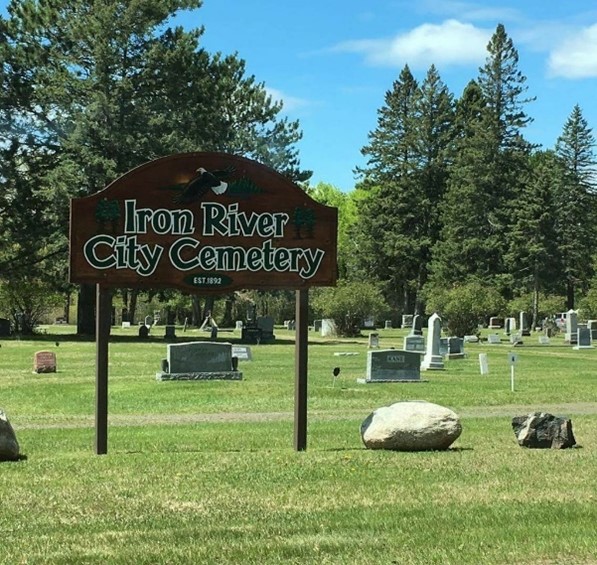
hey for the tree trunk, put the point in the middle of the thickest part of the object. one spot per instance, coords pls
(196, 317)
(67, 308)
(535, 316)
(132, 305)
(86, 310)
(569, 295)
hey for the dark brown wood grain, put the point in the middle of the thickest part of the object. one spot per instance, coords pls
(261, 214)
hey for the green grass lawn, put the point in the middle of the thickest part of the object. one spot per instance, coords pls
(204, 472)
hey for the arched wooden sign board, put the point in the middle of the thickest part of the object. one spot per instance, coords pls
(208, 223)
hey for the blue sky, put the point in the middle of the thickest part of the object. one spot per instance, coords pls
(332, 61)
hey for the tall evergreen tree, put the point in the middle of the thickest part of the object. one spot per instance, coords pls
(489, 170)
(576, 203)
(533, 258)
(101, 86)
(407, 170)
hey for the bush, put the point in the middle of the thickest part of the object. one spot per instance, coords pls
(348, 305)
(463, 307)
(27, 302)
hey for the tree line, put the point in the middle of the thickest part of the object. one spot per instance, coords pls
(453, 197)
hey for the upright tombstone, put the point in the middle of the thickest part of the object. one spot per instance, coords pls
(317, 325)
(238, 326)
(393, 365)
(407, 320)
(417, 328)
(197, 361)
(523, 323)
(571, 327)
(44, 362)
(388, 325)
(456, 348)
(170, 332)
(433, 361)
(583, 339)
(495, 323)
(373, 340)
(328, 328)
(4, 327)
(266, 326)
(414, 343)
(509, 325)
(493, 339)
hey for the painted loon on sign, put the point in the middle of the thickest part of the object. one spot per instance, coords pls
(200, 184)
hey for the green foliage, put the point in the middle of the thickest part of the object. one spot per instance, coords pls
(348, 304)
(26, 303)
(463, 307)
(548, 305)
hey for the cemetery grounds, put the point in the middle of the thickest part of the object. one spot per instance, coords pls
(205, 472)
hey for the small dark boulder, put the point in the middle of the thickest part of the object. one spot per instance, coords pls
(541, 430)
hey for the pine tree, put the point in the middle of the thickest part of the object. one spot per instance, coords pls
(576, 204)
(533, 257)
(405, 180)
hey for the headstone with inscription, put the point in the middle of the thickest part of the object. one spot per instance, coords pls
(242, 352)
(199, 360)
(414, 343)
(44, 362)
(433, 360)
(393, 365)
(494, 339)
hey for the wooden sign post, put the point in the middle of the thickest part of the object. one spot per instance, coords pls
(205, 223)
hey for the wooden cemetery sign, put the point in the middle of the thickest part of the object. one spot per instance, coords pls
(206, 223)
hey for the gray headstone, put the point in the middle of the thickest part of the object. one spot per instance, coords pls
(373, 340)
(414, 343)
(524, 323)
(386, 365)
(455, 348)
(407, 320)
(148, 320)
(495, 323)
(265, 324)
(199, 360)
(417, 328)
(242, 352)
(493, 339)
(388, 325)
(584, 339)
(239, 325)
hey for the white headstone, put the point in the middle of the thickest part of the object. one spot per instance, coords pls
(433, 360)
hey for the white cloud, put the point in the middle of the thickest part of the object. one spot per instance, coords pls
(449, 43)
(290, 103)
(575, 56)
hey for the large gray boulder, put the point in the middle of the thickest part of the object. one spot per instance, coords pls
(411, 426)
(9, 446)
(542, 430)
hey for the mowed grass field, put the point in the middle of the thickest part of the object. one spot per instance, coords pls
(205, 472)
